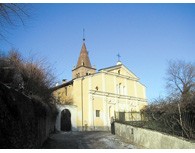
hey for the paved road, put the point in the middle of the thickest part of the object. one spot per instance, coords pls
(86, 140)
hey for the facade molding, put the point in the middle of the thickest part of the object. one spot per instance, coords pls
(113, 95)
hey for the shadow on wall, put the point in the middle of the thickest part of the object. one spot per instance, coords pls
(24, 122)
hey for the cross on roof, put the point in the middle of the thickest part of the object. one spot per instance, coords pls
(118, 55)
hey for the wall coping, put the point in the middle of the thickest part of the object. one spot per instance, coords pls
(153, 139)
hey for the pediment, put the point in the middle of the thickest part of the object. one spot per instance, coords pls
(120, 70)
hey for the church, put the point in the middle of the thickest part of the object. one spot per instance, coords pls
(92, 98)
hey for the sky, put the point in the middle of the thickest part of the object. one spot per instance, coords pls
(146, 36)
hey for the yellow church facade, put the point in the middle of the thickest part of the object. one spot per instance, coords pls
(92, 98)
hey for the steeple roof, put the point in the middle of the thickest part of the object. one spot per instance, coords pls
(83, 58)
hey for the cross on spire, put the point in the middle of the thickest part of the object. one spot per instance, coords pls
(83, 34)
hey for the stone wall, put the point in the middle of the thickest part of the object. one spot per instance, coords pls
(24, 122)
(151, 139)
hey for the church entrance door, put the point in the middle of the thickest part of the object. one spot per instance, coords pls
(65, 120)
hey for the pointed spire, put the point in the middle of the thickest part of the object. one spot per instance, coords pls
(83, 58)
(83, 67)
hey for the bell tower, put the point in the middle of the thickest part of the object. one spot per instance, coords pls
(83, 66)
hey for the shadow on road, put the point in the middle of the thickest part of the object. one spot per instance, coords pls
(86, 140)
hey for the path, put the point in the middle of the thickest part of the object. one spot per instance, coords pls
(86, 140)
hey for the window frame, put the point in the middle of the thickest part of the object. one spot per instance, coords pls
(97, 113)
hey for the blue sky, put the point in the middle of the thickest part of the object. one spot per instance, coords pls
(145, 35)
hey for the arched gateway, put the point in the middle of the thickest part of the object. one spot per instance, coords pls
(66, 120)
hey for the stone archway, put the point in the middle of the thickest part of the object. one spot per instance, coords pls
(66, 120)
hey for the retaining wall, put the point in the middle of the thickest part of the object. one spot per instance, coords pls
(24, 122)
(151, 139)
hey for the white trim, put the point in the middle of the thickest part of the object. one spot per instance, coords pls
(116, 96)
(109, 73)
(107, 112)
(135, 88)
(144, 92)
(125, 93)
(130, 73)
(115, 88)
(90, 120)
(104, 113)
(126, 87)
(92, 112)
(103, 82)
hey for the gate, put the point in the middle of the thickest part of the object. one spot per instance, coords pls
(65, 120)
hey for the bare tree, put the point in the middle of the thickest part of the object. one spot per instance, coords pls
(11, 15)
(33, 78)
(181, 78)
(181, 83)
(175, 113)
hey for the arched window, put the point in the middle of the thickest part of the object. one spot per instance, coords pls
(88, 73)
(77, 75)
(119, 71)
(119, 87)
(124, 91)
(66, 91)
(97, 113)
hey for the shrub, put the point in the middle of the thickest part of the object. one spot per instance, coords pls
(172, 116)
(31, 77)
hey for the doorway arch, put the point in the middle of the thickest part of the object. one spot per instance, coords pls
(66, 120)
